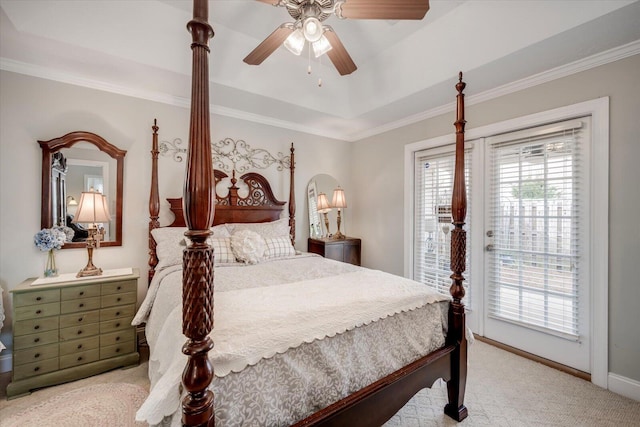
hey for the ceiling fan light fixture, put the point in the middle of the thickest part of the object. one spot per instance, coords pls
(312, 28)
(321, 47)
(295, 42)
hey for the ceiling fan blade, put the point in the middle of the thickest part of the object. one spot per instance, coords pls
(339, 55)
(271, 2)
(268, 46)
(385, 9)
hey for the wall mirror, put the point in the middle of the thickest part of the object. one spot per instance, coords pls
(76, 162)
(322, 183)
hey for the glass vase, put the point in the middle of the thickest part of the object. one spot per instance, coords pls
(50, 269)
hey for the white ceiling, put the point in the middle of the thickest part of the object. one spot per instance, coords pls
(406, 69)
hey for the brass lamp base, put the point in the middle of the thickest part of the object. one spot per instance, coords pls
(339, 234)
(90, 269)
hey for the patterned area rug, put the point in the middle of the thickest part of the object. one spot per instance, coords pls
(107, 405)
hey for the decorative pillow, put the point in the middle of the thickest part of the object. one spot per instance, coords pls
(170, 242)
(169, 245)
(220, 230)
(276, 228)
(248, 246)
(278, 247)
(222, 250)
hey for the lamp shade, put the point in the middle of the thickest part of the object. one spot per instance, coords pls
(339, 201)
(323, 203)
(92, 208)
(321, 47)
(312, 29)
(295, 42)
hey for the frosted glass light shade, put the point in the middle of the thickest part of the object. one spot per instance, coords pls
(92, 208)
(322, 46)
(312, 29)
(295, 42)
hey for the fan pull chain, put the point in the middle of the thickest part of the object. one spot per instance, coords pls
(320, 77)
(309, 68)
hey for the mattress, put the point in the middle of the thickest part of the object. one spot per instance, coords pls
(291, 336)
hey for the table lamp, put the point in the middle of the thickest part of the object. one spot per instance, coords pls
(324, 208)
(92, 210)
(339, 202)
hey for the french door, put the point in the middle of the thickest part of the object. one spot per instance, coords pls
(528, 236)
(536, 293)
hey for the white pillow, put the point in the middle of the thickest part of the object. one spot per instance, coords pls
(222, 250)
(275, 228)
(248, 246)
(169, 245)
(278, 247)
(170, 242)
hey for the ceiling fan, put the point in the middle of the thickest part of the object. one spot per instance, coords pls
(308, 26)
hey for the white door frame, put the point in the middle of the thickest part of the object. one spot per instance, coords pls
(598, 109)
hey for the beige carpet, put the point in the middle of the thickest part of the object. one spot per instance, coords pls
(502, 390)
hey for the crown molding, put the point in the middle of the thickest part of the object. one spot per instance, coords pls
(584, 64)
(593, 61)
(47, 73)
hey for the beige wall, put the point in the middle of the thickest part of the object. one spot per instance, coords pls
(33, 109)
(378, 175)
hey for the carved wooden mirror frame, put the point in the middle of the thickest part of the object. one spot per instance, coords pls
(49, 148)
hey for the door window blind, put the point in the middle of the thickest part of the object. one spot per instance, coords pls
(434, 170)
(536, 214)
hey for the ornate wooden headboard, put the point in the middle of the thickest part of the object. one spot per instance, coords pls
(259, 205)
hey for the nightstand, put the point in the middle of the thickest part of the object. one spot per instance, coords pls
(71, 328)
(345, 250)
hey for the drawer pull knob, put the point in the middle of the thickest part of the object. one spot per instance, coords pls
(80, 319)
(81, 293)
(38, 298)
(36, 369)
(117, 313)
(38, 311)
(79, 358)
(119, 287)
(36, 355)
(117, 338)
(79, 346)
(36, 340)
(36, 327)
(119, 299)
(118, 325)
(79, 332)
(118, 350)
(81, 305)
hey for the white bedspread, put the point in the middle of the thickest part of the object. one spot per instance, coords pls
(264, 310)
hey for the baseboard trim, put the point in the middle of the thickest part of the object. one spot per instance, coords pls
(624, 386)
(5, 362)
(550, 363)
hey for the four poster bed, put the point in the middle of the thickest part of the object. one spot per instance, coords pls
(299, 339)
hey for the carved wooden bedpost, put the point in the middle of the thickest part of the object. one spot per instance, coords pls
(292, 196)
(154, 201)
(456, 334)
(198, 205)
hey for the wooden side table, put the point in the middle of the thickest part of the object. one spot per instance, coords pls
(345, 250)
(72, 328)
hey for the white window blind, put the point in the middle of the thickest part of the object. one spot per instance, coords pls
(434, 170)
(537, 199)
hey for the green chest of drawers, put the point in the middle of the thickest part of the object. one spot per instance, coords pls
(70, 330)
